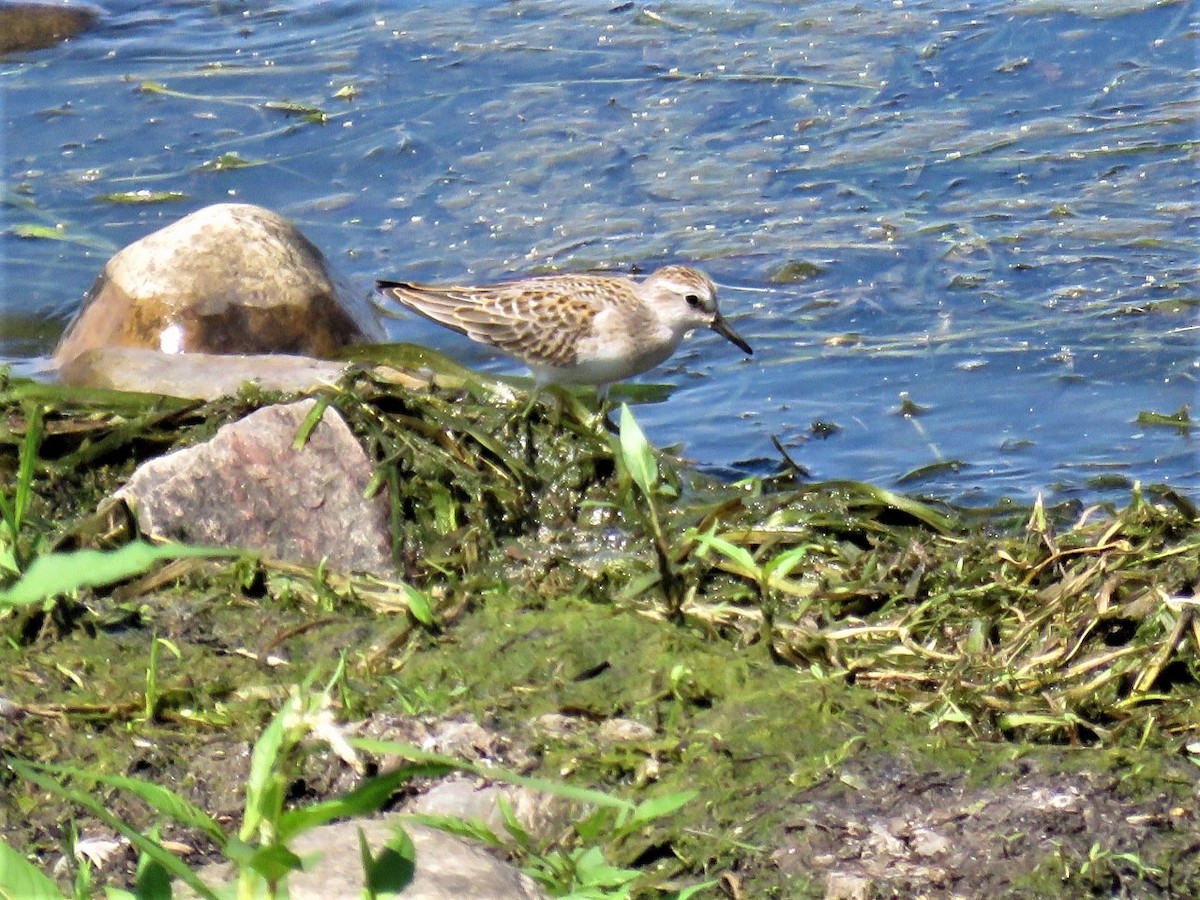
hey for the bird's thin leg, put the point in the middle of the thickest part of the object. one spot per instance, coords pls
(533, 397)
(524, 420)
(604, 407)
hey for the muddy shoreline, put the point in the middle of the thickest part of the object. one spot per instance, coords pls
(868, 692)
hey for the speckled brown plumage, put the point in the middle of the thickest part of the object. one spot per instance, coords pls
(575, 328)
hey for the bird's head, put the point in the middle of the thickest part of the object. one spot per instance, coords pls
(686, 298)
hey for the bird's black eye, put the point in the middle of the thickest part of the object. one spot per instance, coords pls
(693, 300)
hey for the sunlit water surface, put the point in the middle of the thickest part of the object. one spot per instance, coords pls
(988, 208)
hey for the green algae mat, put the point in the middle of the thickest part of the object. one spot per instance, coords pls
(863, 689)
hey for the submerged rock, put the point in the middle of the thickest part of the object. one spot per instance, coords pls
(250, 487)
(198, 376)
(230, 278)
(32, 26)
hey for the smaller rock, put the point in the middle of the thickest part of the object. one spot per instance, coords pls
(249, 487)
(840, 886)
(461, 737)
(541, 814)
(624, 731)
(929, 843)
(576, 730)
(464, 796)
(559, 727)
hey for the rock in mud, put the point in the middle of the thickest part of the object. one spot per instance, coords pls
(250, 487)
(447, 867)
(542, 815)
(230, 278)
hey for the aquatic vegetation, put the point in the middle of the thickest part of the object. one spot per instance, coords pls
(551, 567)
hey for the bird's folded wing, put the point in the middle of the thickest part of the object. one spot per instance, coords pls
(540, 325)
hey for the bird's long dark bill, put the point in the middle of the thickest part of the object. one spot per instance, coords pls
(723, 328)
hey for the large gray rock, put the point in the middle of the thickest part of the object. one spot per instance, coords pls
(249, 487)
(448, 868)
(229, 278)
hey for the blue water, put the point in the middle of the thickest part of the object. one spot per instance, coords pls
(1000, 202)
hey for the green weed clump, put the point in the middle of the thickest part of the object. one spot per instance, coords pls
(1079, 631)
(1054, 627)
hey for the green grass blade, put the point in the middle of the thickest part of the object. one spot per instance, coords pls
(262, 800)
(393, 869)
(8, 517)
(62, 573)
(689, 892)
(273, 862)
(656, 807)
(739, 559)
(29, 455)
(153, 881)
(160, 798)
(367, 798)
(418, 605)
(173, 864)
(416, 754)
(865, 494)
(779, 567)
(473, 829)
(22, 880)
(637, 453)
(13, 510)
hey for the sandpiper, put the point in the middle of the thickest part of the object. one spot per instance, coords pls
(577, 329)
